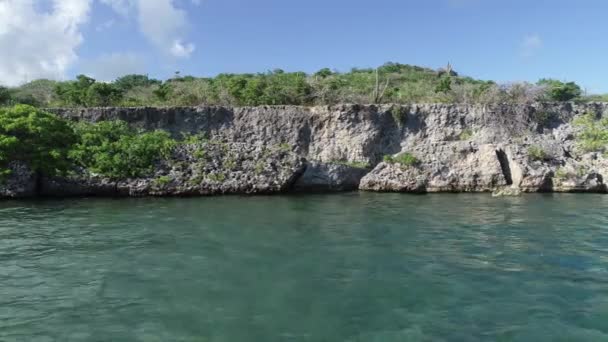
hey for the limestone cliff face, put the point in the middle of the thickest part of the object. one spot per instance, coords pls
(458, 148)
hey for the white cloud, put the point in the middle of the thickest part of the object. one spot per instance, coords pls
(182, 50)
(111, 66)
(530, 45)
(160, 21)
(122, 7)
(106, 25)
(37, 44)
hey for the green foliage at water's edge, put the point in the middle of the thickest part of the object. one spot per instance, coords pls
(50, 145)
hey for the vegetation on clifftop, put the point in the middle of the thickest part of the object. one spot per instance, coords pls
(389, 83)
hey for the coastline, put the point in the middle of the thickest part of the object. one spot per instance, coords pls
(293, 149)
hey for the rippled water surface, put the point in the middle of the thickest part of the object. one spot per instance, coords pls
(353, 267)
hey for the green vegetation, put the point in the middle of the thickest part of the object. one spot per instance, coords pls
(537, 153)
(593, 135)
(36, 138)
(466, 134)
(389, 83)
(404, 159)
(284, 147)
(543, 118)
(50, 145)
(217, 177)
(229, 162)
(113, 149)
(560, 91)
(353, 164)
(399, 115)
(162, 181)
(561, 173)
(259, 168)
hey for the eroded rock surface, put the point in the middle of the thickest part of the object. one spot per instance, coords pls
(459, 148)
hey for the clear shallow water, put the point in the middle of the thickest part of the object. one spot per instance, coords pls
(353, 267)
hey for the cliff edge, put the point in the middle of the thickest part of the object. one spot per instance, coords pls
(405, 148)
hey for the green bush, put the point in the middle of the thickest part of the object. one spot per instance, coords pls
(5, 96)
(128, 82)
(103, 95)
(593, 135)
(39, 139)
(537, 153)
(353, 164)
(560, 91)
(113, 149)
(399, 115)
(444, 86)
(388, 159)
(162, 181)
(466, 134)
(561, 173)
(405, 159)
(74, 93)
(543, 118)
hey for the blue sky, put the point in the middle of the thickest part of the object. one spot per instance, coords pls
(502, 40)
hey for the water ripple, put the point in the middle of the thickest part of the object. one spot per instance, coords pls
(352, 267)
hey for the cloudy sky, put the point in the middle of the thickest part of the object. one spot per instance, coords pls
(514, 40)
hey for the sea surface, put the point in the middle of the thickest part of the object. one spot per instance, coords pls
(346, 267)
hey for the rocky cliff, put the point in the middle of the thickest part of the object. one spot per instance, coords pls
(455, 148)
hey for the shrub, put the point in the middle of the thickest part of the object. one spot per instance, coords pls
(103, 95)
(388, 159)
(284, 147)
(162, 181)
(399, 115)
(113, 149)
(217, 177)
(74, 93)
(128, 82)
(353, 164)
(560, 91)
(593, 135)
(537, 153)
(37, 138)
(405, 159)
(543, 118)
(5, 96)
(561, 173)
(444, 86)
(466, 134)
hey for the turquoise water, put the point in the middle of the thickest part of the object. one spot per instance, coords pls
(352, 267)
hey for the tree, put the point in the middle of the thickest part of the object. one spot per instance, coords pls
(5, 96)
(37, 138)
(560, 91)
(162, 92)
(128, 82)
(75, 92)
(324, 73)
(445, 85)
(103, 95)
